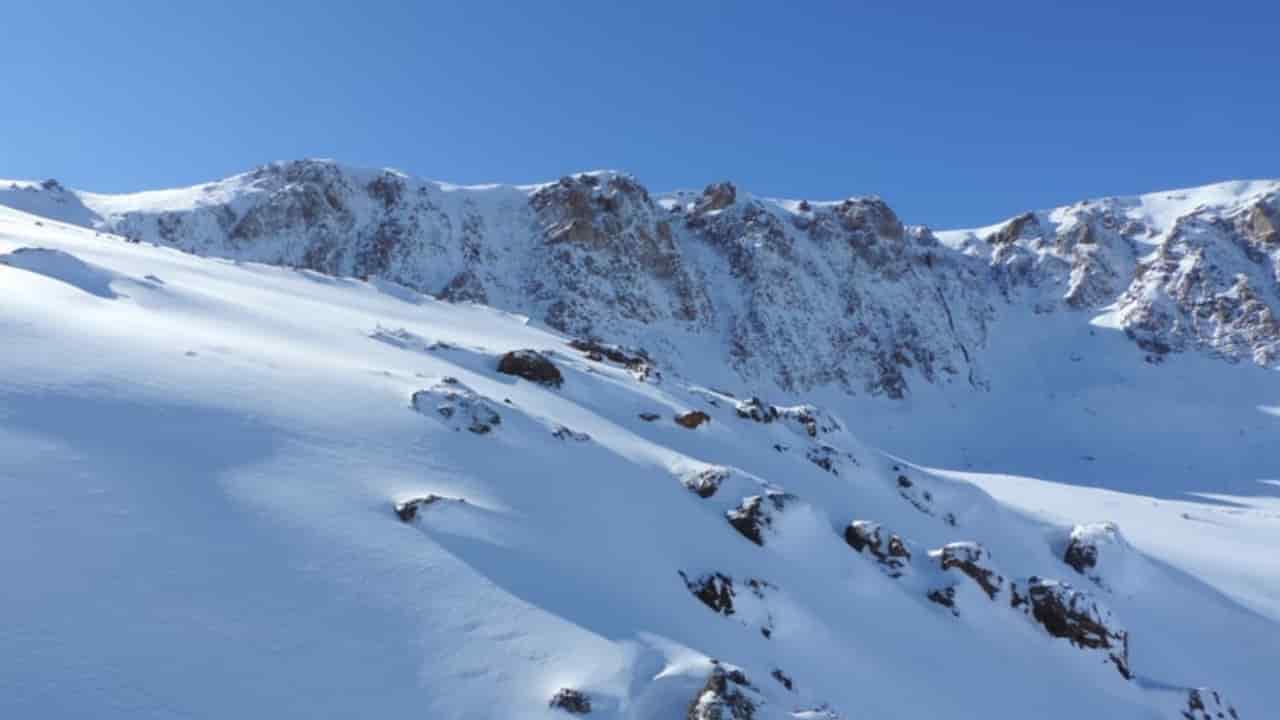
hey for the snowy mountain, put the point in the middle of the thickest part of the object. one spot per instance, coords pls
(322, 441)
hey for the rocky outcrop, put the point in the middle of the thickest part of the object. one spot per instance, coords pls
(713, 589)
(974, 561)
(866, 537)
(637, 361)
(574, 702)
(755, 515)
(1074, 615)
(692, 419)
(531, 365)
(727, 695)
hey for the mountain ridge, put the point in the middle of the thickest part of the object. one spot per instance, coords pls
(597, 254)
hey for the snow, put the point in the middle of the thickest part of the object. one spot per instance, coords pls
(200, 461)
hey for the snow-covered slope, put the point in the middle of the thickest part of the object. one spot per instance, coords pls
(231, 489)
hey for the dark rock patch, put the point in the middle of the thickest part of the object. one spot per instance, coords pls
(574, 702)
(692, 419)
(715, 590)
(755, 514)
(828, 458)
(893, 556)
(945, 597)
(649, 417)
(727, 695)
(782, 678)
(1081, 556)
(1076, 616)
(531, 365)
(757, 410)
(637, 361)
(972, 560)
(564, 433)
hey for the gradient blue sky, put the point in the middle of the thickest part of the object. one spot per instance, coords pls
(957, 113)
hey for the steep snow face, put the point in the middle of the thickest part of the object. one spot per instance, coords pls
(230, 489)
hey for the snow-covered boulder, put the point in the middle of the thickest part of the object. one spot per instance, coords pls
(458, 406)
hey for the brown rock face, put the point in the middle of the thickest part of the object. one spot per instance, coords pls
(970, 559)
(1068, 613)
(893, 555)
(716, 196)
(531, 365)
(1014, 229)
(692, 419)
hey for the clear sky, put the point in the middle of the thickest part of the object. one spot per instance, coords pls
(958, 113)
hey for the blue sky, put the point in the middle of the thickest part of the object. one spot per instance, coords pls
(957, 113)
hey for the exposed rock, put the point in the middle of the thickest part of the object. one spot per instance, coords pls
(564, 433)
(705, 483)
(1087, 545)
(809, 419)
(755, 514)
(1013, 230)
(945, 597)
(782, 678)
(458, 406)
(921, 498)
(716, 196)
(1075, 615)
(574, 702)
(1262, 225)
(892, 556)
(828, 458)
(973, 560)
(713, 589)
(757, 410)
(407, 510)
(636, 361)
(727, 695)
(1207, 704)
(692, 419)
(648, 416)
(531, 365)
